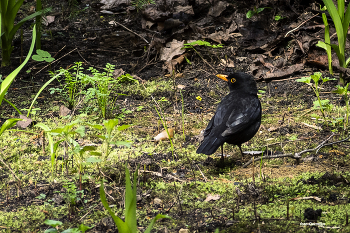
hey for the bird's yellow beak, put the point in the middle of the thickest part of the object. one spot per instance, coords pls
(222, 76)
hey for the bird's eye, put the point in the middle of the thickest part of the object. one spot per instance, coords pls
(233, 80)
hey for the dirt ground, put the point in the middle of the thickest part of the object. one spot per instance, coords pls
(145, 44)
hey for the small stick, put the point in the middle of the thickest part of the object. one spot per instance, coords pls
(9, 169)
(300, 25)
(115, 22)
(205, 179)
(55, 61)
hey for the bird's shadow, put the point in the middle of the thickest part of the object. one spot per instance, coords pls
(219, 165)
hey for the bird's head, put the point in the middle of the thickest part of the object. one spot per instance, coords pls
(240, 81)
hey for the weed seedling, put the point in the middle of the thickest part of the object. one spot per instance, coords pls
(317, 77)
(130, 224)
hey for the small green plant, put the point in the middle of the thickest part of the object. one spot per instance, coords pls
(9, 10)
(103, 84)
(8, 124)
(55, 224)
(341, 22)
(72, 196)
(255, 11)
(73, 86)
(108, 127)
(317, 77)
(343, 91)
(80, 159)
(200, 43)
(278, 17)
(43, 56)
(130, 224)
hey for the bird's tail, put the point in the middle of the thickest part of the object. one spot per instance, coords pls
(209, 146)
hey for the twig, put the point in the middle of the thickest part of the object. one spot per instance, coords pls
(115, 22)
(9, 169)
(205, 179)
(299, 25)
(55, 61)
(298, 155)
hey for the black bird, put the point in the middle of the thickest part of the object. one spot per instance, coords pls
(237, 118)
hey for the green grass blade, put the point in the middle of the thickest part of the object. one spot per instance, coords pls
(150, 226)
(327, 40)
(42, 88)
(339, 28)
(122, 226)
(9, 79)
(341, 7)
(51, 144)
(130, 202)
(8, 124)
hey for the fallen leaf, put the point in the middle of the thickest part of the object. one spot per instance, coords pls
(164, 136)
(211, 197)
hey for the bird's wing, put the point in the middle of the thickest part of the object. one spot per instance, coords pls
(245, 112)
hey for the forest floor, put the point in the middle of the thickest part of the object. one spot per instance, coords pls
(303, 157)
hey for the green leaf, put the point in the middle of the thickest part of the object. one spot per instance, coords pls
(250, 14)
(9, 124)
(121, 143)
(316, 76)
(95, 153)
(53, 223)
(81, 131)
(84, 228)
(37, 58)
(336, 17)
(260, 10)
(122, 226)
(9, 79)
(43, 53)
(122, 127)
(99, 127)
(51, 230)
(130, 200)
(93, 160)
(304, 80)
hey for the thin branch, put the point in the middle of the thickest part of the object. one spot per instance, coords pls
(298, 155)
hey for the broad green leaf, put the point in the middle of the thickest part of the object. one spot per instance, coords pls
(53, 223)
(339, 29)
(122, 226)
(122, 127)
(304, 80)
(4, 86)
(84, 228)
(9, 123)
(130, 200)
(99, 127)
(81, 131)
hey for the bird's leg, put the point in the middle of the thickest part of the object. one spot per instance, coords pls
(222, 152)
(240, 148)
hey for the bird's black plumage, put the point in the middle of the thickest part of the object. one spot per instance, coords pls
(238, 116)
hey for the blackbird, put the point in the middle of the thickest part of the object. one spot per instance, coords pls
(237, 118)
